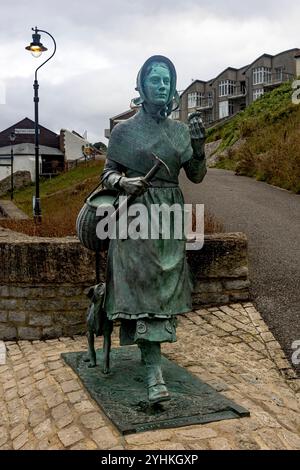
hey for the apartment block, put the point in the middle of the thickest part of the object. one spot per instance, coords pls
(234, 89)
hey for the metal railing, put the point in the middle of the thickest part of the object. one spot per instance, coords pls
(237, 92)
(69, 164)
(205, 103)
(276, 79)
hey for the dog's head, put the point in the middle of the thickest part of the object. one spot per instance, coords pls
(96, 292)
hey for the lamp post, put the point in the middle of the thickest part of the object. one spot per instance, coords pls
(12, 138)
(37, 48)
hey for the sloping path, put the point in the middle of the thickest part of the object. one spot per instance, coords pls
(270, 217)
(10, 210)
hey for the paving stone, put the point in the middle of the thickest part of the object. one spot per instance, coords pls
(70, 386)
(54, 399)
(43, 429)
(88, 445)
(291, 440)
(54, 365)
(272, 345)
(30, 445)
(220, 443)
(84, 406)
(282, 363)
(17, 430)
(148, 437)
(259, 380)
(267, 336)
(200, 432)
(266, 420)
(37, 416)
(92, 420)
(11, 394)
(253, 313)
(75, 397)
(50, 443)
(10, 384)
(201, 445)
(70, 436)
(62, 415)
(245, 442)
(227, 327)
(257, 346)
(19, 442)
(39, 376)
(163, 446)
(3, 435)
(104, 438)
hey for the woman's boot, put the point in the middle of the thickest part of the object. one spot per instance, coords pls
(151, 356)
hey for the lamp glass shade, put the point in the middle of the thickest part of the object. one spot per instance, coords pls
(36, 51)
(36, 47)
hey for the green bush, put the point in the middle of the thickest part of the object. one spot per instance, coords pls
(271, 129)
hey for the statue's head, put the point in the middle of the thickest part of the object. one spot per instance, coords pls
(156, 84)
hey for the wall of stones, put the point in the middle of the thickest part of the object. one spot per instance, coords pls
(43, 281)
(21, 179)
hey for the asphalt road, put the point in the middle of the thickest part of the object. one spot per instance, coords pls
(271, 219)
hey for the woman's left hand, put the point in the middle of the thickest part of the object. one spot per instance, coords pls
(196, 126)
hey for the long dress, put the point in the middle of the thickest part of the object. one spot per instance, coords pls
(148, 280)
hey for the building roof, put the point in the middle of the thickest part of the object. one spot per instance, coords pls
(131, 111)
(191, 84)
(270, 56)
(29, 149)
(27, 123)
(225, 70)
(46, 136)
(297, 54)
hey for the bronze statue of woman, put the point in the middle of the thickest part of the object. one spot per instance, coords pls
(148, 280)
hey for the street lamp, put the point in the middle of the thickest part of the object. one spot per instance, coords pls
(12, 138)
(36, 48)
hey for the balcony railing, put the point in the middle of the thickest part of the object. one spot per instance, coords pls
(204, 103)
(238, 92)
(277, 79)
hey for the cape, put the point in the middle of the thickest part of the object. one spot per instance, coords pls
(133, 142)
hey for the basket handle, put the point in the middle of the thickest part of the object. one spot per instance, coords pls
(93, 190)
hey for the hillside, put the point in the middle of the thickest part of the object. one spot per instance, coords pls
(61, 198)
(264, 140)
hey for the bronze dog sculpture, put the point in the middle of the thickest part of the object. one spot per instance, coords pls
(98, 325)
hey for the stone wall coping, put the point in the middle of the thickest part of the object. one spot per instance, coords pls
(8, 236)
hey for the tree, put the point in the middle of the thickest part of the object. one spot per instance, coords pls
(100, 146)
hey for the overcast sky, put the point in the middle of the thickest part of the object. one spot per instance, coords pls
(102, 44)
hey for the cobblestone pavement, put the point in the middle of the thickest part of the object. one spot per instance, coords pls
(44, 406)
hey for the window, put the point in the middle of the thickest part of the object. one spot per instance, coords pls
(175, 114)
(209, 117)
(226, 87)
(223, 109)
(257, 93)
(261, 75)
(279, 74)
(195, 99)
(267, 75)
(209, 100)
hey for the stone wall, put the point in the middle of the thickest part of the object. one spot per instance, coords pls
(43, 281)
(21, 179)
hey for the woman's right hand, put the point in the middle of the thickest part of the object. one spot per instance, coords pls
(133, 186)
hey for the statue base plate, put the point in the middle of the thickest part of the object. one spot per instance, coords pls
(122, 394)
